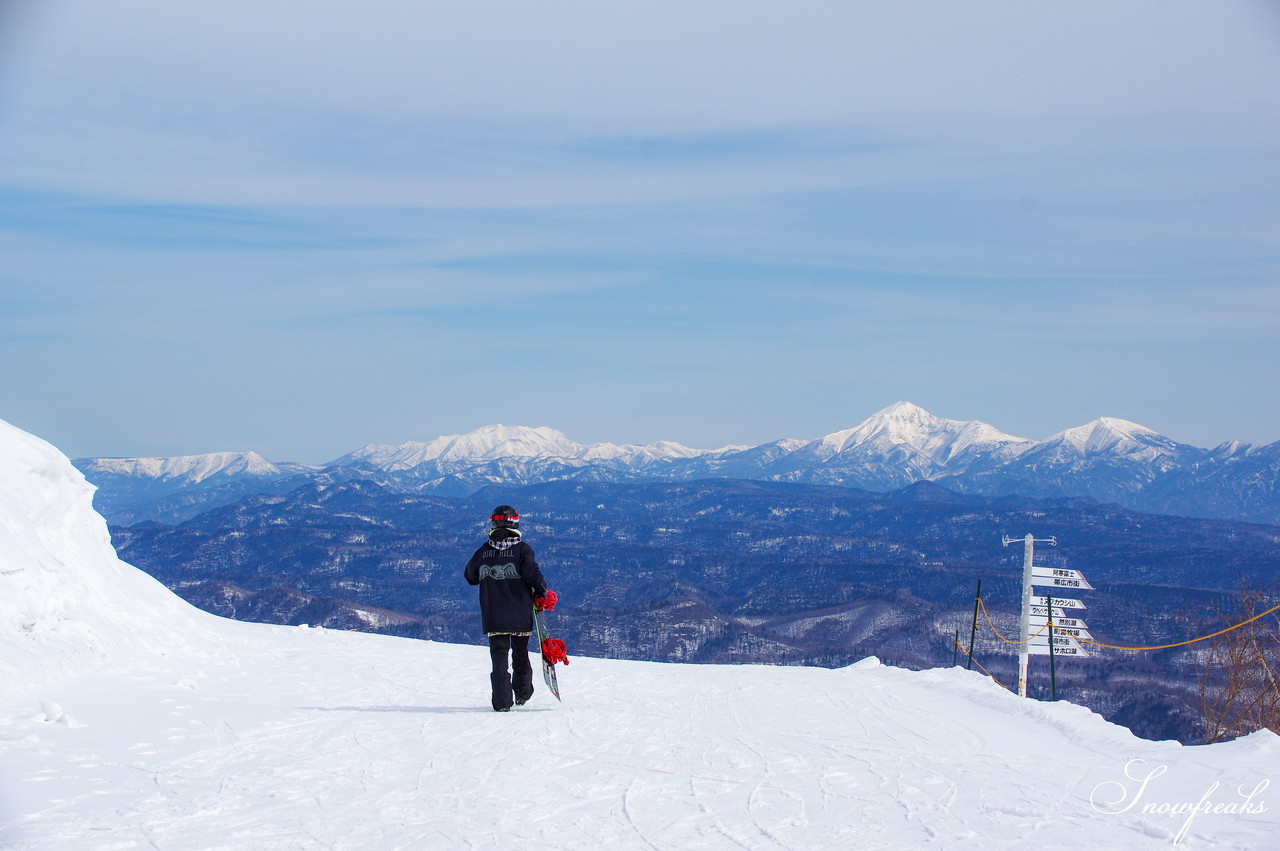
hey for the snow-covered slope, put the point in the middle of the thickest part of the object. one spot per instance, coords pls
(306, 738)
(65, 599)
(190, 732)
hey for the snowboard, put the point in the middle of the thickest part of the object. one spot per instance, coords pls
(548, 670)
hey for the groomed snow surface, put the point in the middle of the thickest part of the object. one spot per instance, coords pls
(171, 729)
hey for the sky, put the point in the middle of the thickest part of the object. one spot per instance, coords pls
(303, 227)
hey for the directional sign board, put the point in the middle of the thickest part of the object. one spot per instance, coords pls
(1069, 629)
(1076, 652)
(1059, 577)
(1080, 584)
(1059, 641)
(1042, 572)
(1058, 602)
(1058, 622)
(1074, 632)
(1078, 631)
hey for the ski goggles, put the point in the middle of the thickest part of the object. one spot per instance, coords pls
(505, 518)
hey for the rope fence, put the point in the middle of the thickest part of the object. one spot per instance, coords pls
(1180, 643)
(1047, 625)
(980, 668)
(987, 615)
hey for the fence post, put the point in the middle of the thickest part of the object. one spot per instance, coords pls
(1053, 671)
(973, 630)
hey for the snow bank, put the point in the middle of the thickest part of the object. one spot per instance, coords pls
(65, 598)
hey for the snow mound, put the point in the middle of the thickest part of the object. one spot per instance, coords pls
(65, 598)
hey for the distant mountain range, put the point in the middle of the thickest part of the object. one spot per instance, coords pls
(1109, 460)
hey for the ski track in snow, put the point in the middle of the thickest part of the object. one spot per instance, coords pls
(274, 737)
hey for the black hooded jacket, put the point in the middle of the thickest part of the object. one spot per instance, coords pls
(509, 579)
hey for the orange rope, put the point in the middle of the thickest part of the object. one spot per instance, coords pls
(979, 664)
(997, 632)
(1056, 628)
(1180, 643)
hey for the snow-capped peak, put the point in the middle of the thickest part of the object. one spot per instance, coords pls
(495, 442)
(892, 448)
(901, 422)
(1115, 436)
(499, 441)
(627, 452)
(486, 443)
(193, 468)
(909, 426)
(1234, 448)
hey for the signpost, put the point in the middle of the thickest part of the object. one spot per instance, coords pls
(1054, 621)
(1059, 650)
(1041, 643)
(1058, 602)
(1039, 607)
(1060, 578)
(1073, 627)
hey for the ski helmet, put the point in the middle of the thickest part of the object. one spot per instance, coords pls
(504, 517)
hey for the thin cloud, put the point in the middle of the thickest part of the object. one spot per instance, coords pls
(780, 215)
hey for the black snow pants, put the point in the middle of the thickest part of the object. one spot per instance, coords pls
(516, 683)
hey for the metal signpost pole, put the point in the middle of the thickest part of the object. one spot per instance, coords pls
(1024, 654)
(1030, 574)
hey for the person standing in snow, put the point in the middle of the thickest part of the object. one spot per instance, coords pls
(510, 585)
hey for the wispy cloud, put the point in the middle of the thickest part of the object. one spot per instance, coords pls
(781, 216)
